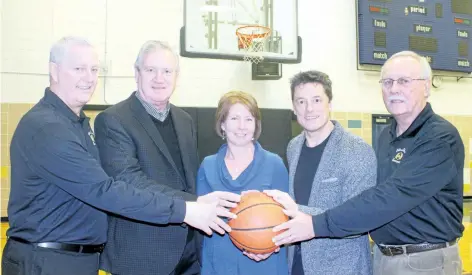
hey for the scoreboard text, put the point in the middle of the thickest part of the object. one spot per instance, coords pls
(439, 30)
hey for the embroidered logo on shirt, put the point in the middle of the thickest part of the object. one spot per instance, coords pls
(399, 155)
(92, 136)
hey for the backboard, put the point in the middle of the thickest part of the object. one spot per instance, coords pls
(211, 26)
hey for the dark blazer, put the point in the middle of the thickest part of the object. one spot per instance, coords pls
(131, 149)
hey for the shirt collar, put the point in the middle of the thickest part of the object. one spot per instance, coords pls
(59, 105)
(423, 116)
(153, 111)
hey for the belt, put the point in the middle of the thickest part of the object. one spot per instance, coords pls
(66, 247)
(393, 250)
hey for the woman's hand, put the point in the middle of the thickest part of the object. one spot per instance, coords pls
(260, 257)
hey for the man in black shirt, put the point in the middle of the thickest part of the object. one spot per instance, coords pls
(327, 166)
(58, 185)
(414, 214)
(149, 142)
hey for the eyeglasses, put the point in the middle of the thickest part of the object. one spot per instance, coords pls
(405, 82)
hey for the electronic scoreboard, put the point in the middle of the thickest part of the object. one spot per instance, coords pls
(439, 30)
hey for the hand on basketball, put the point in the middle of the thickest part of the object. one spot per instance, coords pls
(259, 257)
(205, 216)
(299, 228)
(223, 199)
(285, 200)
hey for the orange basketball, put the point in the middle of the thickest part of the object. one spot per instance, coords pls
(257, 214)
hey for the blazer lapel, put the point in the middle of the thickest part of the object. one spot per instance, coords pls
(326, 163)
(324, 168)
(293, 162)
(184, 137)
(144, 119)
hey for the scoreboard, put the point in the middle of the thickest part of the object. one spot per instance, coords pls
(439, 30)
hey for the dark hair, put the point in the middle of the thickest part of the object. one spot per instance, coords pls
(312, 77)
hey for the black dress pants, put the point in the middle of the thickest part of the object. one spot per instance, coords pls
(189, 264)
(26, 259)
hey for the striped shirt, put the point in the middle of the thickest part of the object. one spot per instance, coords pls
(152, 110)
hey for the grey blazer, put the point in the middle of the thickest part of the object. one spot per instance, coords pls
(347, 167)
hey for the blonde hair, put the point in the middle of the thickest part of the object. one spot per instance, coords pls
(234, 97)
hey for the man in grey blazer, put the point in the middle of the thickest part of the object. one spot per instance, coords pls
(327, 166)
(152, 144)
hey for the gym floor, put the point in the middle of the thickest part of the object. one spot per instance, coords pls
(465, 243)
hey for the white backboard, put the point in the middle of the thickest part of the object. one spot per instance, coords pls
(210, 28)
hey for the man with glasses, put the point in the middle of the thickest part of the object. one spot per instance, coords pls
(414, 213)
(152, 144)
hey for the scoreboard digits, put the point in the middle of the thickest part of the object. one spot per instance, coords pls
(438, 30)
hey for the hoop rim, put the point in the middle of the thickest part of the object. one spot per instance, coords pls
(259, 35)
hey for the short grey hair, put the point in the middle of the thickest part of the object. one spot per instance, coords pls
(59, 49)
(425, 67)
(152, 46)
(312, 77)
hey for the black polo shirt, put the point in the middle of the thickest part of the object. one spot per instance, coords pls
(58, 185)
(419, 193)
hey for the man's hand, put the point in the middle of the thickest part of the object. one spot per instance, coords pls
(205, 216)
(222, 198)
(285, 200)
(299, 228)
(260, 257)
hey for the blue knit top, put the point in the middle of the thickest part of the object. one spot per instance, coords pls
(267, 171)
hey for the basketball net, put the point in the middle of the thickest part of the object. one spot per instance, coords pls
(252, 40)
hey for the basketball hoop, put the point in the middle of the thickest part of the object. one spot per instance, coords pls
(252, 39)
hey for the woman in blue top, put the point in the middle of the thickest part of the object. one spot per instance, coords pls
(241, 164)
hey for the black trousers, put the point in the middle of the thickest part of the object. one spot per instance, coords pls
(26, 259)
(189, 264)
(297, 265)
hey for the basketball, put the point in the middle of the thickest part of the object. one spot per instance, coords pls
(257, 215)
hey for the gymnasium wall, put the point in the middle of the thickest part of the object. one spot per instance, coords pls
(119, 27)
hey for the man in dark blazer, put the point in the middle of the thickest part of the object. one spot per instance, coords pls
(152, 143)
